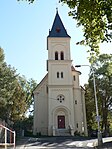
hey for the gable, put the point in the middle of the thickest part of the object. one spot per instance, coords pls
(41, 84)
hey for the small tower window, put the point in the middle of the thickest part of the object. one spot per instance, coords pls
(57, 74)
(56, 55)
(75, 101)
(62, 56)
(46, 89)
(74, 78)
(77, 125)
(61, 74)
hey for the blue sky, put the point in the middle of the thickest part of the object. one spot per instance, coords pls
(23, 36)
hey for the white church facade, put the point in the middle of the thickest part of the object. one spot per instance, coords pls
(59, 102)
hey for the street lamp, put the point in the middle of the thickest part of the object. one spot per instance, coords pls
(96, 103)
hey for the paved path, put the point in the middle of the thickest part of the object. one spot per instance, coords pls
(62, 143)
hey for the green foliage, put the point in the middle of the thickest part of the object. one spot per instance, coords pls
(95, 16)
(1, 56)
(12, 97)
(29, 1)
(24, 124)
(90, 106)
(15, 92)
(103, 78)
(28, 87)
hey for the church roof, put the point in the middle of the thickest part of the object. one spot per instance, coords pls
(58, 29)
(73, 69)
(41, 83)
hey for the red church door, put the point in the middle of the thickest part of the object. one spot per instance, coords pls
(61, 121)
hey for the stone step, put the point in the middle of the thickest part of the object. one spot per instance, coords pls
(62, 132)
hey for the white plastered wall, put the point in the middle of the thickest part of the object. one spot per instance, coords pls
(41, 110)
(59, 44)
(65, 107)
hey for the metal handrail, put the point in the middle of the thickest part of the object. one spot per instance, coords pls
(5, 142)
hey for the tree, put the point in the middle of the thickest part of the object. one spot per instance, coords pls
(28, 87)
(104, 87)
(12, 95)
(103, 77)
(90, 109)
(30, 1)
(15, 92)
(95, 16)
(1, 56)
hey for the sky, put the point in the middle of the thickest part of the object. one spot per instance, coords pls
(23, 37)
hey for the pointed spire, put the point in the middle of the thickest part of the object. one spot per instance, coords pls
(58, 29)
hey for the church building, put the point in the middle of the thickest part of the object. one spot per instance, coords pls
(59, 101)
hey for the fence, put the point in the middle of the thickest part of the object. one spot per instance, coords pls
(7, 137)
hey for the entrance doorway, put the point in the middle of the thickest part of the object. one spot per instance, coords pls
(61, 121)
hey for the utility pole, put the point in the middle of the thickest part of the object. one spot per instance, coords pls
(96, 104)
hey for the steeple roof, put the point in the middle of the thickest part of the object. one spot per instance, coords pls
(58, 29)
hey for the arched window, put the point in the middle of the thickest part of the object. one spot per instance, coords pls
(61, 74)
(57, 74)
(56, 55)
(62, 56)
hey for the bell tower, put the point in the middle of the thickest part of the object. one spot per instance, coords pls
(60, 80)
(59, 57)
